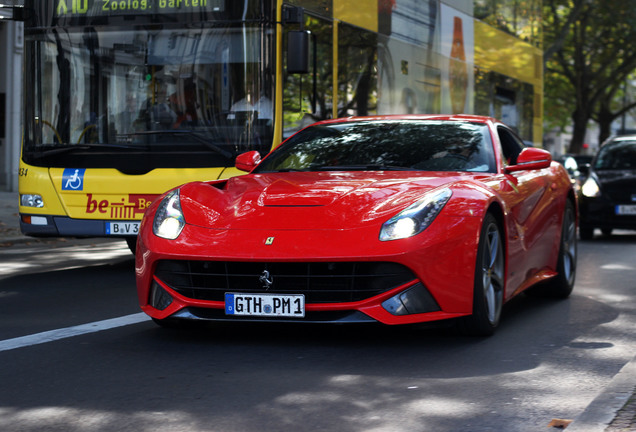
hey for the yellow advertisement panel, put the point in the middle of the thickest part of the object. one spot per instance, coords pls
(361, 13)
(502, 53)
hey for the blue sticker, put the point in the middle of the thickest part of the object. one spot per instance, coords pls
(229, 304)
(73, 179)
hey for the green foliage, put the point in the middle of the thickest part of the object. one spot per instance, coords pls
(590, 52)
(520, 18)
(558, 103)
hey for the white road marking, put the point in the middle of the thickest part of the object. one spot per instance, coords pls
(53, 335)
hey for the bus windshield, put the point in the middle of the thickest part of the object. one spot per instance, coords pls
(137, 98)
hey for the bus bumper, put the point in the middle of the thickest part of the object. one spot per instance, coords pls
(61, 226)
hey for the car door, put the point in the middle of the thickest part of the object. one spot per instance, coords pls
(532, 222)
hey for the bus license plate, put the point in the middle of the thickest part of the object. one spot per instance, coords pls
(268, 305)
(626, 209)
(122, 228)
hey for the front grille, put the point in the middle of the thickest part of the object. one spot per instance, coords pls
(320, 282)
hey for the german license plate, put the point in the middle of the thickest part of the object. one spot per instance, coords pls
(628, 209)
(268, 305)
(123, 228)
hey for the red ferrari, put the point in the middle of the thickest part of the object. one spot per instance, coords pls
(390, 219)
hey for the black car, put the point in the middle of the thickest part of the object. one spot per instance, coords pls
(577, 166)
(608, 195)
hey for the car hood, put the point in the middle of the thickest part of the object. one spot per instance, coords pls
(308, 200)
(618, 185)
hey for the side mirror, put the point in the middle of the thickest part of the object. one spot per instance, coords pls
(248, 161)
(298, 51)
(531, 158)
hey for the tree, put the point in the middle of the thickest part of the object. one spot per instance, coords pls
(613, 104)
(591, 50)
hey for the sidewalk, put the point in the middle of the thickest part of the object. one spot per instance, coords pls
(10, 233)
(9, 222)
(613, 410)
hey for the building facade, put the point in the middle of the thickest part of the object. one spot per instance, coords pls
(11, 56)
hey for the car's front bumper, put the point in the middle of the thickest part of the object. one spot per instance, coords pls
(603, 213)
(441, 261)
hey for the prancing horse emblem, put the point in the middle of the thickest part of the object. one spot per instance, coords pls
(266, 279)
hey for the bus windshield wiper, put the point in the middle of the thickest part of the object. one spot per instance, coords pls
(69, 148)
(191, 133)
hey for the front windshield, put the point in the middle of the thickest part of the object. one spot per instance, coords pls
(149, 96)
(386, 145)
(618, 155)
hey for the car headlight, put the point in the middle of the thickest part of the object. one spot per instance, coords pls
(590, 188)
(416, 217)
(169, 221)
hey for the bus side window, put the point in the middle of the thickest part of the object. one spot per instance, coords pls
(357, 71)
(307, 98)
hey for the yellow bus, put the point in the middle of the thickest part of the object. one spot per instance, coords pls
(125, 99)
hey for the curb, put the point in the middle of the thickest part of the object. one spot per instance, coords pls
(602, 411)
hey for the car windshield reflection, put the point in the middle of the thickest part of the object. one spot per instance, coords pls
(390, 145)
(619, 155)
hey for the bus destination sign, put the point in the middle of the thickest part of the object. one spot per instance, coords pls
(128, 7)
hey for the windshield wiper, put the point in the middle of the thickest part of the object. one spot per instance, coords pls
(69, 148)
(195, 135)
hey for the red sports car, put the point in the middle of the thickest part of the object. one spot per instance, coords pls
(391, 219)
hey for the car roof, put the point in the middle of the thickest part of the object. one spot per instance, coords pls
(619, 138)
(445, 117)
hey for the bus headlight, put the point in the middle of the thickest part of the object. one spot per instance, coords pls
(169, 221)
(31, 200)
(590, 188)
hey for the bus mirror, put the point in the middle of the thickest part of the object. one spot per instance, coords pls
(298, 51)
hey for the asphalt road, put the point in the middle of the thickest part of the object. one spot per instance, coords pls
(76, 354)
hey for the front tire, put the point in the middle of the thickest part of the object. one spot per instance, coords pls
(488, 291)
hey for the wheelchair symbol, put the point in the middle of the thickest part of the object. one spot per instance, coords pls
(73, 181)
